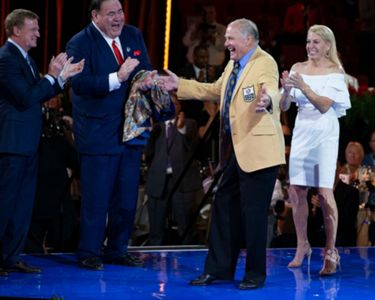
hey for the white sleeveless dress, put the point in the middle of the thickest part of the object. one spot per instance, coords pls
(315, 136)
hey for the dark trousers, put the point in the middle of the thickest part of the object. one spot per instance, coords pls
(109, 188)
(239, 217)
(17, 193)
(159, 208)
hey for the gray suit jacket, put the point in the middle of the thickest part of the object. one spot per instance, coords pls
(180, 150)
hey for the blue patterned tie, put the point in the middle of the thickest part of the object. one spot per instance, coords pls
(30, 65)
(225, 144)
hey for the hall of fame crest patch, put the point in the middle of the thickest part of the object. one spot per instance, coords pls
(248, 93)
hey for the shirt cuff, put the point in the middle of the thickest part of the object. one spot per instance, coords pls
(53, 80)
(50, 78)
(114, 83)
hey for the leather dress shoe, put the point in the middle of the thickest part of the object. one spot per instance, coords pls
(22, 267)
(204, 279)
(250, 284)
(92, 263)
(125, 260)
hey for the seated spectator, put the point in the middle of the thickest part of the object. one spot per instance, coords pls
(347, 201)
(354, 154)
(366, 230)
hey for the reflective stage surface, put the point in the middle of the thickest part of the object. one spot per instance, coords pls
(166, 275)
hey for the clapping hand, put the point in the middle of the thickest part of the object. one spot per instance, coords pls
(295, 80)
(56, 64)
(284, 80)
(127, 68)
(70, 69)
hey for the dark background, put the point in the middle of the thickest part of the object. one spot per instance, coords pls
(61, 19)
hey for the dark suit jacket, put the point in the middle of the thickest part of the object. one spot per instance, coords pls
(21, 95)
(368, 160)
(181, 149)
(192, 108)
(99, 115)
(188, 72)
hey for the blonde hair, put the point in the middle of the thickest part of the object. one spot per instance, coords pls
(327, 36)
(358, 146)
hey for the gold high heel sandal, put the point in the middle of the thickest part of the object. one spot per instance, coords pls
(300, 256)
(331, 261)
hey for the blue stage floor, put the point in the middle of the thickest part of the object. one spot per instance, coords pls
(167, 272)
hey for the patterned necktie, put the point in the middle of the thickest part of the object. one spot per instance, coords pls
(225, 134)
(117, 52)
(201, 76)
(30, 65)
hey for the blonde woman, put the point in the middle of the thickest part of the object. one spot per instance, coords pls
(318, 87)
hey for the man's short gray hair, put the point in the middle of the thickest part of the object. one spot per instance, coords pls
(247, 27)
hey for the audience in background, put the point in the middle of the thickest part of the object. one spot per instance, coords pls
(354, 154)
(209, 33)
(171, 199)
(369, 159)
(54, 224)
(202, 71)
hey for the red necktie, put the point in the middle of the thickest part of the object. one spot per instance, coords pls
(117, 52)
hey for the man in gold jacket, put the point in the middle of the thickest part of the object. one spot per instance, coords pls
(251, 150)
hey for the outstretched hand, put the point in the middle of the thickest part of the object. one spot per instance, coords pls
(149, 81)
(264, 100)
(168, 82)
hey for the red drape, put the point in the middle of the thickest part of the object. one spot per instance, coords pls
(45, 36)
(3, 13)
(60, 20)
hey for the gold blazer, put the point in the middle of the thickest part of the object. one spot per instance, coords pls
(257, 138)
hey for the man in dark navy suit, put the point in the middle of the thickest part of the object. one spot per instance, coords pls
(110, 169)
(22, 92)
